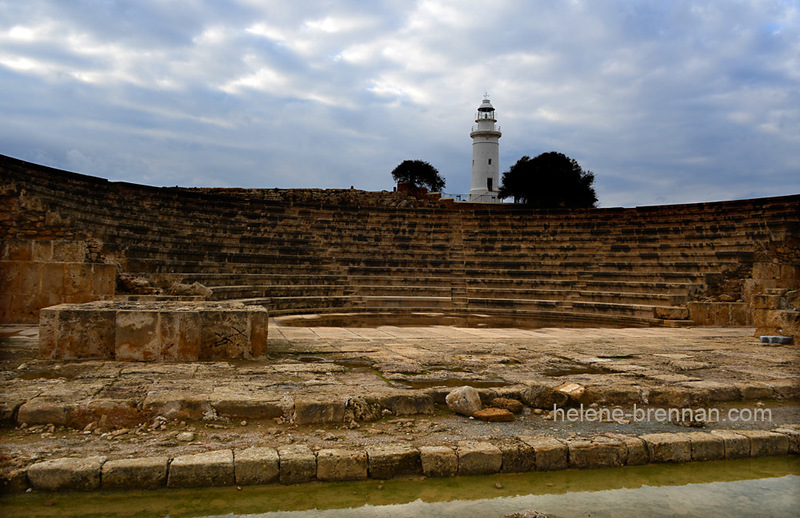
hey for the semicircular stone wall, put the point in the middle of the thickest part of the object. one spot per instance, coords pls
(71, 238)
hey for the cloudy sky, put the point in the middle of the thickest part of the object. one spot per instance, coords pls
(666, 101)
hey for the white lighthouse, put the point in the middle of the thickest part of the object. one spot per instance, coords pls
(485, 155)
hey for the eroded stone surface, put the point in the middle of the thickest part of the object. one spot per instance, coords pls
(81, 474)
(139, 473)
(214, 468)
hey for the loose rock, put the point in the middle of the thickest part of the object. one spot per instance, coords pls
(464, 400)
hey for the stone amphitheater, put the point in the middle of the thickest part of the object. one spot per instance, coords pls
(335, 307)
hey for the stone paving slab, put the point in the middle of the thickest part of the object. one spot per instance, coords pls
(667, 367)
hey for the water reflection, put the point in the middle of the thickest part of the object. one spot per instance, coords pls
(767, 487)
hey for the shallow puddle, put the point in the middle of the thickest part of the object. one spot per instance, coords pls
(764, 487)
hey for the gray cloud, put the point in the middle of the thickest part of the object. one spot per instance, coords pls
(666, 102)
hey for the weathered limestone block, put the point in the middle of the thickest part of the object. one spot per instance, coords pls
(636, 450)
(766, 444)
(596, 453)
(736, 446)
(706, 446)
(402, 403)
(79, 334)
(478, 458)
(153, 331)
(573, 391)
(256, 466)
(551, 454)
(318, 408)
(543, 396)
(298, 464)
(718, 313)
(213, 468)
(672, 397)
(81, 474)
(43, 410)
(793, 436)
(438, 461)
(224, 334)
(141, 473)
(464, 400)
(518, 457)
(258, 403)
(338, 464)
(615, 394)
(668, 447)
(391, 460)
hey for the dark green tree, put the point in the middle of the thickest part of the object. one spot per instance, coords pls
(551, 180)
(420, 174)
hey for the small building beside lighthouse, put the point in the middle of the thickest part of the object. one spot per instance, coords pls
(485, 155)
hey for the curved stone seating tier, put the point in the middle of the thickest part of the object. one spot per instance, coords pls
(353, 252)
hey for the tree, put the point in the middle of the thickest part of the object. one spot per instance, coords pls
(419, 174)
(551, 180)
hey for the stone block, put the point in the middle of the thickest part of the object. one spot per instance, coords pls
(17, 250)
(42, 251)
(478, 458)
(793, 436)
(69, 251)
(404, 403)
(438, 461)
(84, 334)
(178, 335)
(256, 466)
(77, 278)
(736, 446)
(671, 397)
(543, 396)
(136, 336)
(599, 452)
(25, 278)
(81, 474)
(141, 473)
(43, 410)
(766, 444)
(668, 447)
(154, 331)
(391, 460)
(225, 333)
(297, 464)
(52, 278)
(518, 457)
(213, 468)
(706, 446)
(337, 464)
(259, 330)
(551, 454)
(318, 408)
(104, 279)
(48, 325)
(637, 454)
(755, 390)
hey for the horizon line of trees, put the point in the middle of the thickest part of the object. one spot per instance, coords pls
(549, 180)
